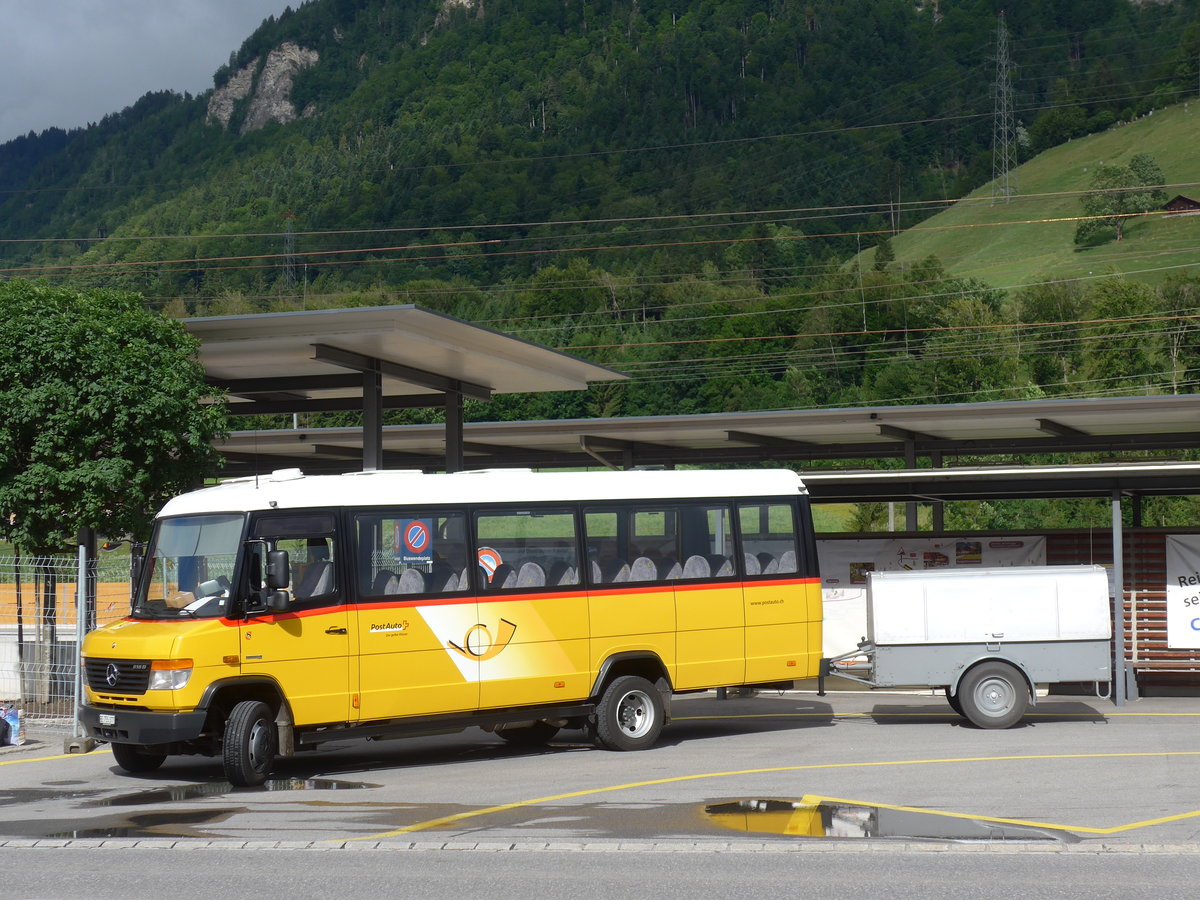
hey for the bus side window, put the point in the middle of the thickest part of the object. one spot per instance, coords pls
(768, 538)
(707, 540)
(411, 552)
(527, 549)
(309, 541)
(312, 566)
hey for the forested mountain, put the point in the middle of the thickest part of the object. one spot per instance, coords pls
(672, 189)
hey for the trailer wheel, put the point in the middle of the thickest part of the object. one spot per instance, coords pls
(135, 758)
(630, 714)
(993, 695)
(250, 744)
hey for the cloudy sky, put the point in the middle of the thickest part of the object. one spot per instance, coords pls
(66, 63)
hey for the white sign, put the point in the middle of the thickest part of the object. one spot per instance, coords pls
(1183, 591)
(845, 564)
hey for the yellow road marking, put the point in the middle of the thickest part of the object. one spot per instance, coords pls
(504, 807)
(13, 762)
(929, 714)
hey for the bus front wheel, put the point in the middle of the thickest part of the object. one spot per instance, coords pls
(250, 744)
(630, 714)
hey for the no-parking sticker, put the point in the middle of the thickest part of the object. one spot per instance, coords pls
(414, 540)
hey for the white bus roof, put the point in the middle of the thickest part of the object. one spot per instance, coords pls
(291, 489)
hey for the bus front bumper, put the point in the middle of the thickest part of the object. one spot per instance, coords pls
(137, 726)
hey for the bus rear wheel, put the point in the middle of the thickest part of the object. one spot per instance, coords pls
(630, 714)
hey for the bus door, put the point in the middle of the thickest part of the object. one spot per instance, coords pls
(307, 649)
(531, 637)
(709, 606)
(416, 614)
(783, 609)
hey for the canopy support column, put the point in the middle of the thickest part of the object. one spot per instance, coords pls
(372, 386)
(455, 460)
(1120, 666)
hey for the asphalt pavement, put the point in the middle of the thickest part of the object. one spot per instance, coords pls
(777, 772)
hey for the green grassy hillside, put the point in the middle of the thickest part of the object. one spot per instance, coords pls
(1030, 238)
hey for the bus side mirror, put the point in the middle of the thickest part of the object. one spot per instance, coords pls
(279, 573)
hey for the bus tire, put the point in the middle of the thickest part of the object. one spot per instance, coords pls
(630, 714)
(136, 758)
(993, 695)
(250, 744)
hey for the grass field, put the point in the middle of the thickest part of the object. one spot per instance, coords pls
(1030, 238)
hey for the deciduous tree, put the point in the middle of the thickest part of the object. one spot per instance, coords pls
(102, 413)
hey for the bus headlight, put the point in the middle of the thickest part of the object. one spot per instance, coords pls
(169, 674)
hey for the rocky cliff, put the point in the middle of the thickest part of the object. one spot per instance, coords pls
(270, 92)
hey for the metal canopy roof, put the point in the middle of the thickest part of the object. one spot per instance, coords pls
(1005, 482)
(1102, 425)
(275, 362)
(373, 359)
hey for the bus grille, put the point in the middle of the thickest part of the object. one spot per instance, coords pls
(121, 676)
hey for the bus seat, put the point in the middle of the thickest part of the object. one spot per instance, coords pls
(383, 579)
(613, 571)
(696, 567)
(767, 564)
(562, 573)
(787, 561)
(505, 576)
(412, 581)
(752, 564)
(317, 580)
(531, 575)
(643, 569)
(720, 566)
(443, 579)
(669, 569)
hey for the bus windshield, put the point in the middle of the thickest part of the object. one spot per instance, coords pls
(190, 567)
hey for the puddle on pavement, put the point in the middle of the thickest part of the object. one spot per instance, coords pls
(17, 796)
(159, 824)
(833, 819)
(808, 818)
(219, 788)
(168, 822)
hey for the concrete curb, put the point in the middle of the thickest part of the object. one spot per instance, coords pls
(677, 846)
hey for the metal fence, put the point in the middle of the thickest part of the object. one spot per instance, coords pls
(39, 628)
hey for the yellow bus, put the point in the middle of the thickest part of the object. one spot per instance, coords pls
(276, 613)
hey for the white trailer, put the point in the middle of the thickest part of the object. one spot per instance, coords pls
(987, 636)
